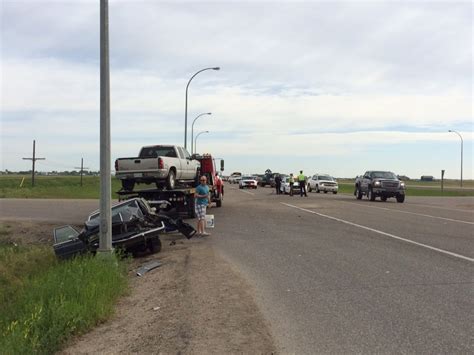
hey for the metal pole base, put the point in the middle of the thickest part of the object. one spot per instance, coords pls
(106, 255)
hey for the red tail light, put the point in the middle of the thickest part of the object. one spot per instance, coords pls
(160, 164)
(116, 165)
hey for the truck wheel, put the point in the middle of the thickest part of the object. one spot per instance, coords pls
(219, 201)
(371, 194)
(171, 180)
(154, 245)
(197, 177)
(358, 193)
(309, 188)
(334, 192)
(317, 189)
(383, 198)
(325, 192)
(191, 210)
(400, 198)
(128, 185)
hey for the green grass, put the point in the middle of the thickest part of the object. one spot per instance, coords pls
(416, 190)
(53, 187)
(43, 301)
(69, 187)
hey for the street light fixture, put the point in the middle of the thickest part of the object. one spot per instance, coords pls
(195, 141)
(186, 105)
(192, 129)
(459, 134)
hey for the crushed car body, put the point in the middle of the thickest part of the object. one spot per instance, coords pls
(135, 227)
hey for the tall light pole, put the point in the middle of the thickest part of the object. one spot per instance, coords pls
(195, 141)
(192, 129)
(105, 227)
(459, 134)
(186, 105)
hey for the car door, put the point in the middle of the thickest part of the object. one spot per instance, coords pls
(366, 181)
(67, 243)
(183, 161)
(189, 164)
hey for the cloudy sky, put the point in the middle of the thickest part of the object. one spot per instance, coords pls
(333, 87)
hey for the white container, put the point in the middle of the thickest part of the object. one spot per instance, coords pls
(209, 221)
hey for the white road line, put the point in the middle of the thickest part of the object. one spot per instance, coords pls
(441, 208)
(406, 212)
(241, 190)
(382, 233)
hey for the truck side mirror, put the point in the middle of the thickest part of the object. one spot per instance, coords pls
(222, 164)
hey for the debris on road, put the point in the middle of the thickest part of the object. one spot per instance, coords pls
(148, 267)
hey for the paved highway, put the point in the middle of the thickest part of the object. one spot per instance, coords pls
(337, 275)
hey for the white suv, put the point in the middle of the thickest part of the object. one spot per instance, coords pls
(323, 182)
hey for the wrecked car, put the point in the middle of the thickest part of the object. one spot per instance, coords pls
(136, 226)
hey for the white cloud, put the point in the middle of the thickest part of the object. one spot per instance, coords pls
(339, 75)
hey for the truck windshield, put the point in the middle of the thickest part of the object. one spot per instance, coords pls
(325, 177)
(158, 151)
(383, 175)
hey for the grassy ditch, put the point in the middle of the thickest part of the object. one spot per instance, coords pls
(44, 301)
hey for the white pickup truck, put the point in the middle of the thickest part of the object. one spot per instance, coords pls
(159, 164)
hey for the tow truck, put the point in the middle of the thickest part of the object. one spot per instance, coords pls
(182, 198)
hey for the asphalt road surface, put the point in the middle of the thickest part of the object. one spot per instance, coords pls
(336, 275)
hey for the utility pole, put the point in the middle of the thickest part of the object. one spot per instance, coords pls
(105, 239)
(82, 168)
(33, 159)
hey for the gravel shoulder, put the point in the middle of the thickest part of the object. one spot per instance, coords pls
(195, 303)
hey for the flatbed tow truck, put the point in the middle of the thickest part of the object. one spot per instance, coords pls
(182, 199)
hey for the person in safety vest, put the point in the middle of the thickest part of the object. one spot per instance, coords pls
(291, 180)
(302, 181)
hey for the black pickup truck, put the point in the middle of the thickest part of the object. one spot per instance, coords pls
(383, 184)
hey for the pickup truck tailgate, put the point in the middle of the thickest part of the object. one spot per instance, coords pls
(131, 165)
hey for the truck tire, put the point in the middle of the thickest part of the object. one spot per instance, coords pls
(317, 189)
(219, 201)
(197, 177)
(191, 210)
(309, 188)
(400, 198)
(154, 245)
(383, 198)
(171, 180)
(128, 185)
(371, 194)
(358, 193)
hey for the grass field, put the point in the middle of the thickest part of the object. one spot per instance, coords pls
(53, 187)
(43, 301)
(69, 187)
